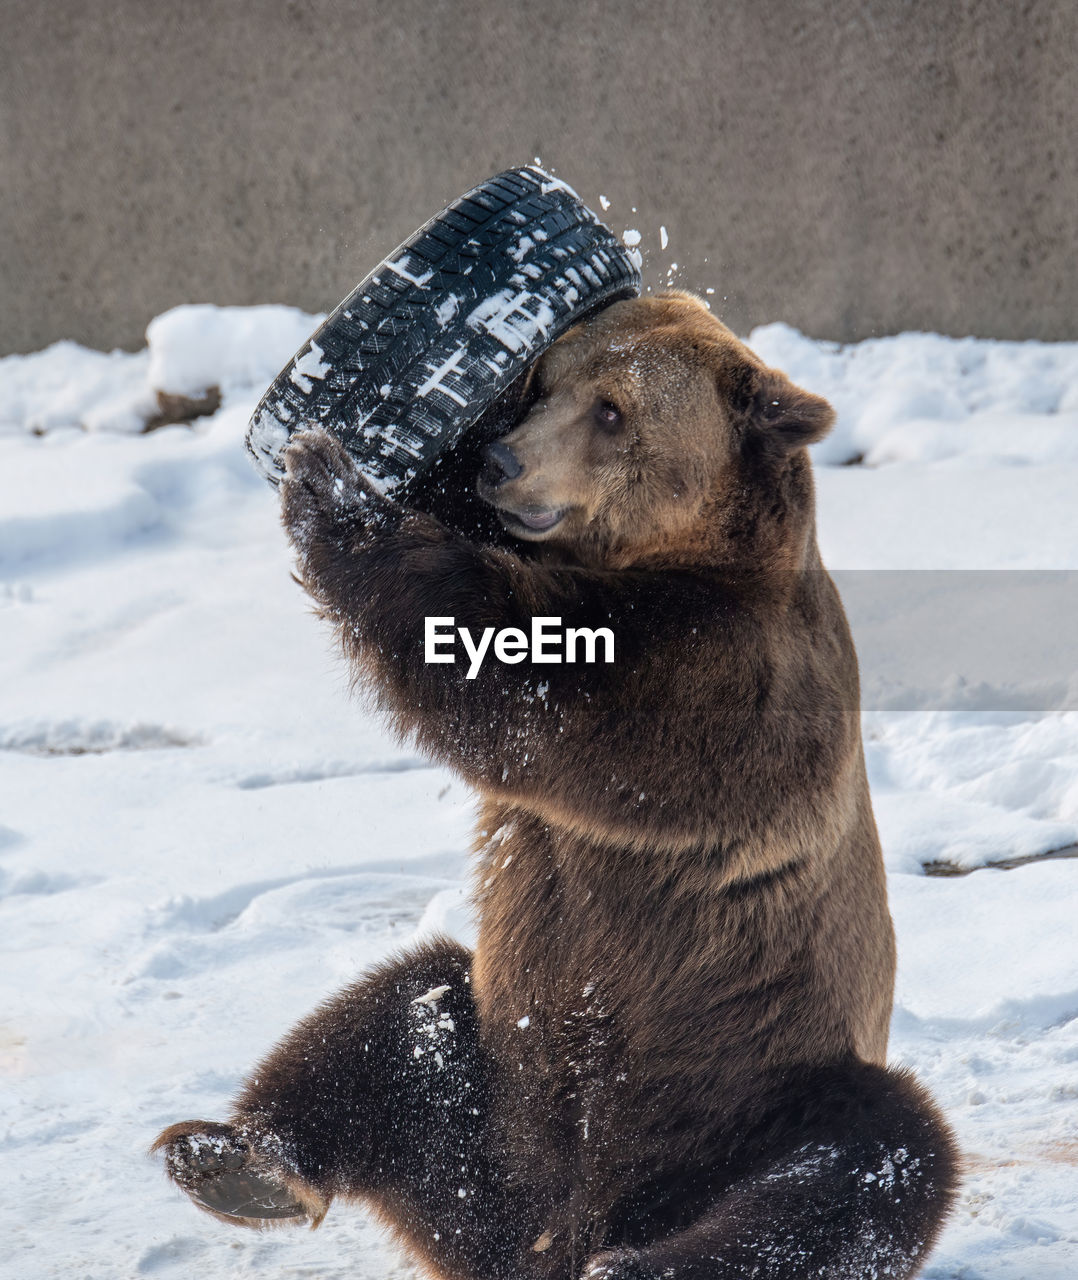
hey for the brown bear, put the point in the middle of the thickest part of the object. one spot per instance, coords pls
(666, 1057)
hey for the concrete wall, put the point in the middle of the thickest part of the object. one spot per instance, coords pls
(850, 167)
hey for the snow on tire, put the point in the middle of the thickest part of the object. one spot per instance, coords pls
(441, 330)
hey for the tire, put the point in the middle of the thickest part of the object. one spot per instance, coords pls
(435, 340)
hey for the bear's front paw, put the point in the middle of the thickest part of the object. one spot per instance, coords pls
(234, 1177)
(323, 493)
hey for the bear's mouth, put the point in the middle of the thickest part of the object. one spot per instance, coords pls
(531, 520)
(528, 521)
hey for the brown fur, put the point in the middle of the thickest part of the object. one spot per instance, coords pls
(679, 880)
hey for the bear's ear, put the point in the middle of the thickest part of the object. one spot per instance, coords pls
(782, 416)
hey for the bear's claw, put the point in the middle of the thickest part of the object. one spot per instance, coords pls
(218, 1168)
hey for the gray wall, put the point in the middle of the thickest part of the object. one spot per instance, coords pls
(852, 168)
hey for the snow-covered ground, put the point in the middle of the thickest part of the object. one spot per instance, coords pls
(201, 835)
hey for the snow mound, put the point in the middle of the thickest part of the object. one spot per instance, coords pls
(972, 388)
(195, 347)
(190, 349)
(67, 385)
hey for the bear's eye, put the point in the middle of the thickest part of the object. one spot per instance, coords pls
(607, 415)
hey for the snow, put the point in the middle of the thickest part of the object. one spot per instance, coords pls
(201, 835)
(550, 183)
(309, 365)
(432, 996)
(446, 309)
(409, 268)
(195, 347)
(947, 396)
(520, 248)
(514, 320)
(70, 386)
(438, 376)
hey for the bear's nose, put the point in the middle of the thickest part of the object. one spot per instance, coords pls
(502, 463)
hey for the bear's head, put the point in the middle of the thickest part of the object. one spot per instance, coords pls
(654, 437)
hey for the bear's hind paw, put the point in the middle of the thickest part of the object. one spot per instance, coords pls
(221, 1171)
